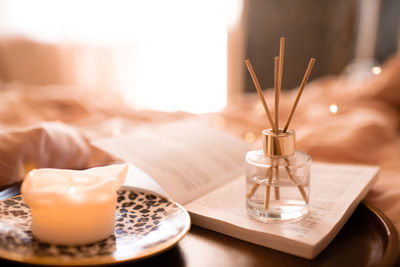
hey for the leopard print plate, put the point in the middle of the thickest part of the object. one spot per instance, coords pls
(146, 224)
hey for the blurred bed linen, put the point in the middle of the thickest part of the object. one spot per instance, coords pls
(48, 144)
(337, 120)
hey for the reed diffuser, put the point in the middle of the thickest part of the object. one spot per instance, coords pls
(278, 176)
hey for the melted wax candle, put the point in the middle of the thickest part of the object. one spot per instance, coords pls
(71, 207)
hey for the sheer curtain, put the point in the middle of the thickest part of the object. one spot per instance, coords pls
(163, 55)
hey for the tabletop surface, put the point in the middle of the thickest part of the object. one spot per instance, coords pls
(361, 242)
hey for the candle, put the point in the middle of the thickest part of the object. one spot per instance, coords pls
(71, 207)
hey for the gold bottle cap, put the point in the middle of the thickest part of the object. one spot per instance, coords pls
(278, 144)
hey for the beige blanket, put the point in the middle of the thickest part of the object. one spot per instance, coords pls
(51, 126)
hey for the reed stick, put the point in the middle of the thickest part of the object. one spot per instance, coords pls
(281, 57)
(268, 189)
(252, 190)
(277, 95)
(259, 91)
(300, 187)
(277, 191)
(277, 92)
(302, 85)
(280, 70)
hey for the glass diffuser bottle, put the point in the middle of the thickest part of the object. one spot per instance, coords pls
(278, 176)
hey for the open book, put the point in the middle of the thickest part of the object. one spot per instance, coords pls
(202, 168)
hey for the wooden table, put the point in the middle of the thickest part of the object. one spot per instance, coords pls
(360, 243)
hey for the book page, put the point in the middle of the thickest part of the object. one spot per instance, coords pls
(186, 158)
(335, 192)
(137, 178)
